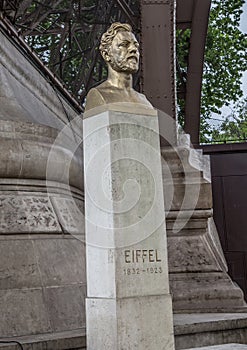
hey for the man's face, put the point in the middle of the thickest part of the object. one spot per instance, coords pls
(124, 53)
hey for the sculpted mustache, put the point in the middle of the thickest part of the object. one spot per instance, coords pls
(123, 65)
(132, 56)
(126, 60)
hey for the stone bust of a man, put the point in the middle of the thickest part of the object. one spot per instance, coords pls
(120, 50)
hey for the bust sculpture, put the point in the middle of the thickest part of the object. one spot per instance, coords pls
(120, 50)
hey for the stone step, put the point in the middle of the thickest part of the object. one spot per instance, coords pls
(223, 347)
(67, 340)
(192, 332)
(198, 330)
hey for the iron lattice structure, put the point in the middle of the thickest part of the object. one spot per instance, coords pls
(65, 34)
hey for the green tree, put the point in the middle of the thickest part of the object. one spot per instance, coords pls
(66, 33)
(225, 56)
(224, 63)
(234, 127)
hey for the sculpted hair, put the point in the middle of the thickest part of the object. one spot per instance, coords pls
(108, 36)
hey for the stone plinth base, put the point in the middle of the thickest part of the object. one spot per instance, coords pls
(132, 323)
(128, 301)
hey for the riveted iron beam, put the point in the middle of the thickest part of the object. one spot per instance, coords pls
(195, 68)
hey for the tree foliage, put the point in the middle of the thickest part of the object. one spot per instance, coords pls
(224, 62)
(225, 56)
(66, 33)
(234, 127)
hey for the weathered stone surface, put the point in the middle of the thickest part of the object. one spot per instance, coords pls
(60, 261)
(196, 247)
(66, 306)
(41, 280)
(191, 254)
(30, 151)
(135, 270)
(42, 266)
(27, 214)
(25, 94)
(208, 329)
(70, 213)
(68, 340)
(223, 347)
(205, 292)
(186, 183)
(23, 311)
(142, 323)
(201, 322)
(18, 267)
(128, 300)
(197, 267)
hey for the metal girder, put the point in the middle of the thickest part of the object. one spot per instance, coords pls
(199, 26)
(128, 12)
(40, 14)
(63, 32)
(158, 53)
(74, 30)
(184, 13)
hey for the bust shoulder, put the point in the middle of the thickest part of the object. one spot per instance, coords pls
(142, 99)
(107, 93)
(94, 98)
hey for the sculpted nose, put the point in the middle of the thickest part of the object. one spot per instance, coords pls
(133, 49)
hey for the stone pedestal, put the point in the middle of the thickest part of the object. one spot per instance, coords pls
(128, 302)
(42, 274)
(42, 256)
(197, 268)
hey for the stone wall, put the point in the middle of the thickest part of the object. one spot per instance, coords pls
(42, 256)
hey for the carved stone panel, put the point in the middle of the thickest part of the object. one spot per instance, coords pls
(27, 214)
(70, 215)
(191, 254)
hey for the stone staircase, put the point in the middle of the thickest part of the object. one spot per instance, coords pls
(209, 309)
(67, 340)
(223, 347)
(209, 331)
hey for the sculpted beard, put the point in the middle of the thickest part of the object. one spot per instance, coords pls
(126, 65)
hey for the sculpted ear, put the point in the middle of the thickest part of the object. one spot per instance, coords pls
(106, 56)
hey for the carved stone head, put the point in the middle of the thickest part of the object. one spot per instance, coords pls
(120, 49)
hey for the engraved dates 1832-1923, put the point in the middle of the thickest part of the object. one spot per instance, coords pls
(142, 257)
